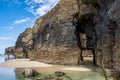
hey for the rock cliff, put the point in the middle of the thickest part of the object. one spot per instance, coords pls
(24, 43)
(55, 37)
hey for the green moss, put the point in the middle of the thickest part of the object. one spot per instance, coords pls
(105, 74)
(20, 76)
(74, 75)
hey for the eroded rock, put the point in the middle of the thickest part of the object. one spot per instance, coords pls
(28, 72)
(55, 35)
(59, 73)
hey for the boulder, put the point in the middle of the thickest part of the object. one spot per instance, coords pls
(28, 72)
(59, 73)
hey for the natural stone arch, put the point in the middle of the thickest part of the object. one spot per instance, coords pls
(86, 35)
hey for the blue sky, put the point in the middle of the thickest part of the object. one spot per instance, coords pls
(16, 15)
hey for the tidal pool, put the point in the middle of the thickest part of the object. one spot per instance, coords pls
(6, 73)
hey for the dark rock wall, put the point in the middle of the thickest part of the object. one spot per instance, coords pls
(107, 29)
(105, 36)
(55, 36)
(114, 14)
(24, 43)
(56, 40)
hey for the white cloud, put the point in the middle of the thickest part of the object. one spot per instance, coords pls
(42, 10)
(3, 46)
(40, 7)
(9, 28)
(5, 38)
(21, 21)
(38, 1)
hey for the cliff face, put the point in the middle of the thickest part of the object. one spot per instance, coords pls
(113, 13)
(52, 38)
(56, 41)
(24, 43)
(55, 37)
(107, 28)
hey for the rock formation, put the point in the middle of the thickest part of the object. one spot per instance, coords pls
(52, 38)
(28, 72)
(55, 37)
(9, 51)
(24, 44)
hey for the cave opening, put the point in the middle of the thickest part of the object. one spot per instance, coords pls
(86, 38)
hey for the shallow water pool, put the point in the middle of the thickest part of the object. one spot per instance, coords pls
(6, 73)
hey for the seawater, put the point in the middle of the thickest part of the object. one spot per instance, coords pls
(6, 73)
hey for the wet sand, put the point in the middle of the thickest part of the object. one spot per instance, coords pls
(26, 63)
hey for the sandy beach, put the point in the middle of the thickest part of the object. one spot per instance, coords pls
(26, 63)
(22, 63)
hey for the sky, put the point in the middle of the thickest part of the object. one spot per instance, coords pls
(17, 15)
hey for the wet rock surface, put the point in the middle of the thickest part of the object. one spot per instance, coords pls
(58, 75)
(28, 72)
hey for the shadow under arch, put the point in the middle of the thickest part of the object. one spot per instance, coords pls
(86, 35)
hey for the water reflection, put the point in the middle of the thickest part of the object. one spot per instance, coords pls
(6, 73)
(2, 58)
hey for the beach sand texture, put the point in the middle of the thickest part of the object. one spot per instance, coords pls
(26, 63)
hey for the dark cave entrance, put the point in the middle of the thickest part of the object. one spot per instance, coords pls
(86, 38)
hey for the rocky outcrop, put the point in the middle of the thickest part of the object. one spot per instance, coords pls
(28, 72)
(55, 37)
(10, 51)
(24, 43)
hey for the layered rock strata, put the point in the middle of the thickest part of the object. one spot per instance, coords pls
(55, 37)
